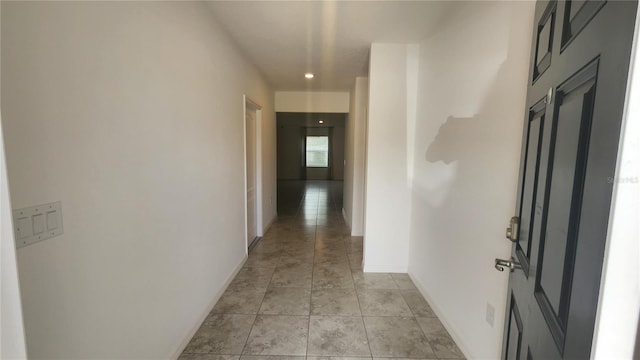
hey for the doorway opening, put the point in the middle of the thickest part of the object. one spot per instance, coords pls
(310, 157)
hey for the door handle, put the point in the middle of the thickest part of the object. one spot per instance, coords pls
(512, 230)
(511, 264)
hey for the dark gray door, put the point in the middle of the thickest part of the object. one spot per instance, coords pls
(579, 64)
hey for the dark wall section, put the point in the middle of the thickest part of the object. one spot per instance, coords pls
(292, 129)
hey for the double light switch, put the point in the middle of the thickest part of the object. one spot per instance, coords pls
(37, 223)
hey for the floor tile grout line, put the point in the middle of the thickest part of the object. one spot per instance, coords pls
(313, 260)
(259, 307)
(246, 341)
(366, 333)
(332, 224)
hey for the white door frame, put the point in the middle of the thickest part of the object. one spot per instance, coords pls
(247, 103)
(12, 344)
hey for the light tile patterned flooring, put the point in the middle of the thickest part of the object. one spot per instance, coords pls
(302, 293)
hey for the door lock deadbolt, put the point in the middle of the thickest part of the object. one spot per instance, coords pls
(512, 230)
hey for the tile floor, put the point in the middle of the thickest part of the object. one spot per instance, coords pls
(302, 294)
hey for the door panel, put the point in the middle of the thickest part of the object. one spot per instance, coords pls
(544, 41)
(579, 66)
(514, 339)
(534, 131)
(577, 16)
(572, 124)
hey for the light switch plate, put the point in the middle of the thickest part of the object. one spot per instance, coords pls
(37, 223)
(24, 229)
(53, 219)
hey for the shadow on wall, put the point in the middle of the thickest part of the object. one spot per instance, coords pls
(477, 148)
(465, 138)
(440, 149)
(478, 160)
(465, 178)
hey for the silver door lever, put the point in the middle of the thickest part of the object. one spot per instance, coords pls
(511, 264)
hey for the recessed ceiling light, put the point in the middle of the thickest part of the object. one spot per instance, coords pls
(320, 121)
(309, 75)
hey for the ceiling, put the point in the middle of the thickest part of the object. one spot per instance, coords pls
(331, 39)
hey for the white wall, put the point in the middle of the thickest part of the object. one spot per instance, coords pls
(354, 180)
(386, 240)
(616, 332)
(471, 100)
(337, 156)
(268, 133)
(312, 102)
(290, 165)
(131, 114)
(12, 344)
(347, 188)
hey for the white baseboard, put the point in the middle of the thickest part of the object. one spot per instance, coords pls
(385, 269)
(187, 338)
(447, 325)
(266, 227)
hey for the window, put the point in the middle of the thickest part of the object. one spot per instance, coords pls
(317, 151)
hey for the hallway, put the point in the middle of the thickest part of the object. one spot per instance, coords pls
(302, 293)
